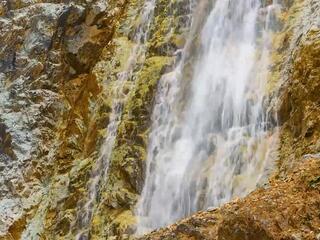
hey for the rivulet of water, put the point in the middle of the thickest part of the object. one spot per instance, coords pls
(100, 169)
(218, 145)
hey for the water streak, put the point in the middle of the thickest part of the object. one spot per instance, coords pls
(100, 169)
(218, 145)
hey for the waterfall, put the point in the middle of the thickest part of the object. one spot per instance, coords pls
(100, 169)
(217, 145)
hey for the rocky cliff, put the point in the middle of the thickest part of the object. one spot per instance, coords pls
(70, 70)
(53, 109)
(60, 62)
(288, 206)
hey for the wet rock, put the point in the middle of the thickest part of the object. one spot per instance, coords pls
(274, 213)
(60, 62)
(50, 113)
(277, 211)
(299, 97)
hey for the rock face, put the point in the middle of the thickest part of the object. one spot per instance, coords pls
(284, 210)
(288, 207)
(52, 109)
(60, 65)
(300, 98)
(59, 68)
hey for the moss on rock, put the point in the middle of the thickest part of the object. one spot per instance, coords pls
(126, 171)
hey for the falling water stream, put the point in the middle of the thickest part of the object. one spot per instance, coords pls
(218, 145)
(100, 169)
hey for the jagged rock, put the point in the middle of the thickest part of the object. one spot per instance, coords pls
(50, 113)
(299, 93)
(57, 66)
(60, 63)
(287, 209)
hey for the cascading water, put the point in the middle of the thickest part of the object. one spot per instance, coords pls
(100, 170)
(218, 146)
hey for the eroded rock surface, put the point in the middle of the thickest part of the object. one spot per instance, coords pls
(51, 109)
(299, 101)
(287, 209)
(60, 63)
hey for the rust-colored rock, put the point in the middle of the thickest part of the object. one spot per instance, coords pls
(59, 63)
(287, 209)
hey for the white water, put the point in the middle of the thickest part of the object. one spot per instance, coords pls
(100, 169)
(219, 146)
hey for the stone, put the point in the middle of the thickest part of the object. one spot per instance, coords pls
(60, 65)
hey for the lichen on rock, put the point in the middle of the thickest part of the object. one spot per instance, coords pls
(60, 66)
(284, 210)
